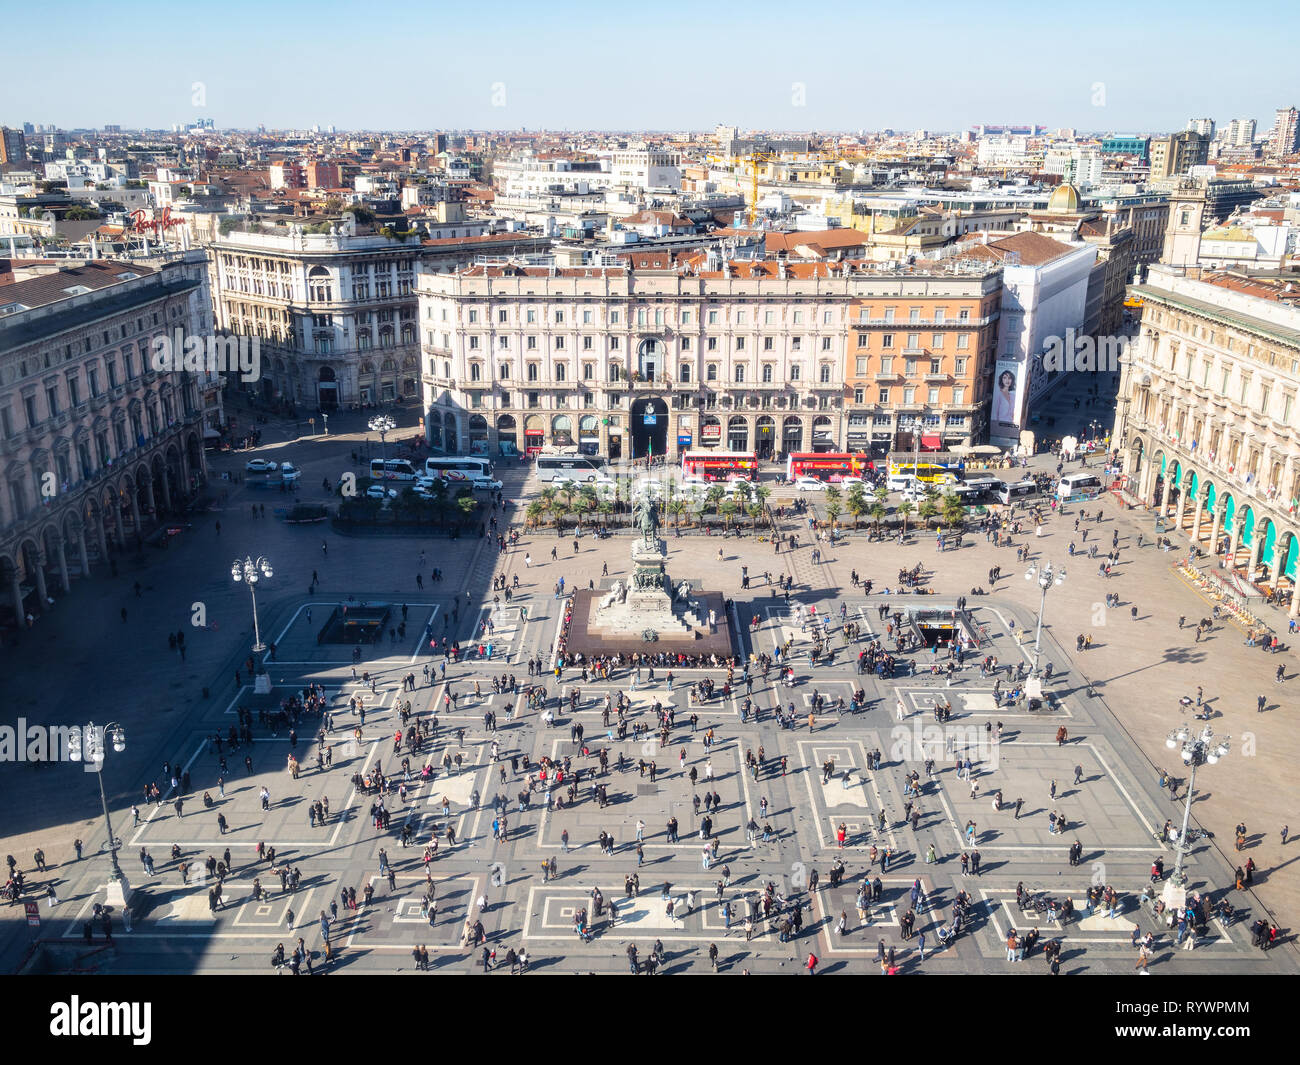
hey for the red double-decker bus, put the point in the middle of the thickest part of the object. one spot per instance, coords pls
(827, 465)
(721, 465)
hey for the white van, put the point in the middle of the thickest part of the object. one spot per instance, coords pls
(1078, 484)
(1012, 493)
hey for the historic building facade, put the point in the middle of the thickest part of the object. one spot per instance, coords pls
(1208, 414)
(745, 355)
(96, 443)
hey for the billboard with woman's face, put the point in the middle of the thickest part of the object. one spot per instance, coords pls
(1008, 398)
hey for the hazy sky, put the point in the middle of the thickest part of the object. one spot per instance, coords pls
(831, 65)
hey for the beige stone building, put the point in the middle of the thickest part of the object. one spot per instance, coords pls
(1208, 413)
(96, 444)
(743, 355)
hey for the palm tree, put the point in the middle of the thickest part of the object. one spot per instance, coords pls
(714, 496)
(878, 512)
(755, 511)
(930, 504)
(954, 510)
(466, 505)
(904, 509)
(534, 512)
(586, 503)
(856, 503)
(677, 508)
(568, 492)
(702, 508)
(605, 507)
(728, 510)
(834, 504)
(547, 498)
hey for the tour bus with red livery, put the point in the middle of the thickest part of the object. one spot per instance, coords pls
(721, 465)
(830, 466)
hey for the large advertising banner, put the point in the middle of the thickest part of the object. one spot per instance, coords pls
(1008, 415)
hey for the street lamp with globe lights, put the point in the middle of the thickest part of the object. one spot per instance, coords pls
(1047, 578)
(383, 425)
(250, 573)
(119, 891)
(1196, 750)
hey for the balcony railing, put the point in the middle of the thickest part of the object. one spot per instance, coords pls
(926, 323)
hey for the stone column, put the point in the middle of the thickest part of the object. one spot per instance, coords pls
(62, 556)
(38, 575)
(1236, 537)
(167, 486)
(16, 594)
(1256, 546)
(85, 555)
(1181, 509)
(1217, 525)
(1165, 490)
(149, 499)
(1198, 514)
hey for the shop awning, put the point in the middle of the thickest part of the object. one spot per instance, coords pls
(931, 443)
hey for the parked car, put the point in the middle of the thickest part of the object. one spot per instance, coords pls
(655, 489)
(261, 466)
(378, 491)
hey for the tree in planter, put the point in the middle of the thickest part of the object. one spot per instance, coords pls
(878, 512)
(466, 505)
(547, 498)
(954, 511)
(605, 507)
(881, 494)
(856, 504)
(755, 511)
(728, 511)
(586, 503)
(904, 509)
(761, 495)
(713, 497)
(677, 508)
(930, 504)
(534, 512)
(834, 505)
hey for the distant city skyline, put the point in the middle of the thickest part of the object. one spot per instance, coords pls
(590, 66)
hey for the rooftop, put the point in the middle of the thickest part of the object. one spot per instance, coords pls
(53, 283)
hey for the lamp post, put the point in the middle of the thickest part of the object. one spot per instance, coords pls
(250, 573)
(1047, 578)
(119, 891)
(383, 425)
(1196, 750)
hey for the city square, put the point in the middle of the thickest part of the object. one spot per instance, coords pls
(776, 823)
(569, 507)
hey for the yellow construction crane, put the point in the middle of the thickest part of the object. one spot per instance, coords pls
(754, 159)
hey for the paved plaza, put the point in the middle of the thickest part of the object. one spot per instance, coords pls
(1116, 702)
